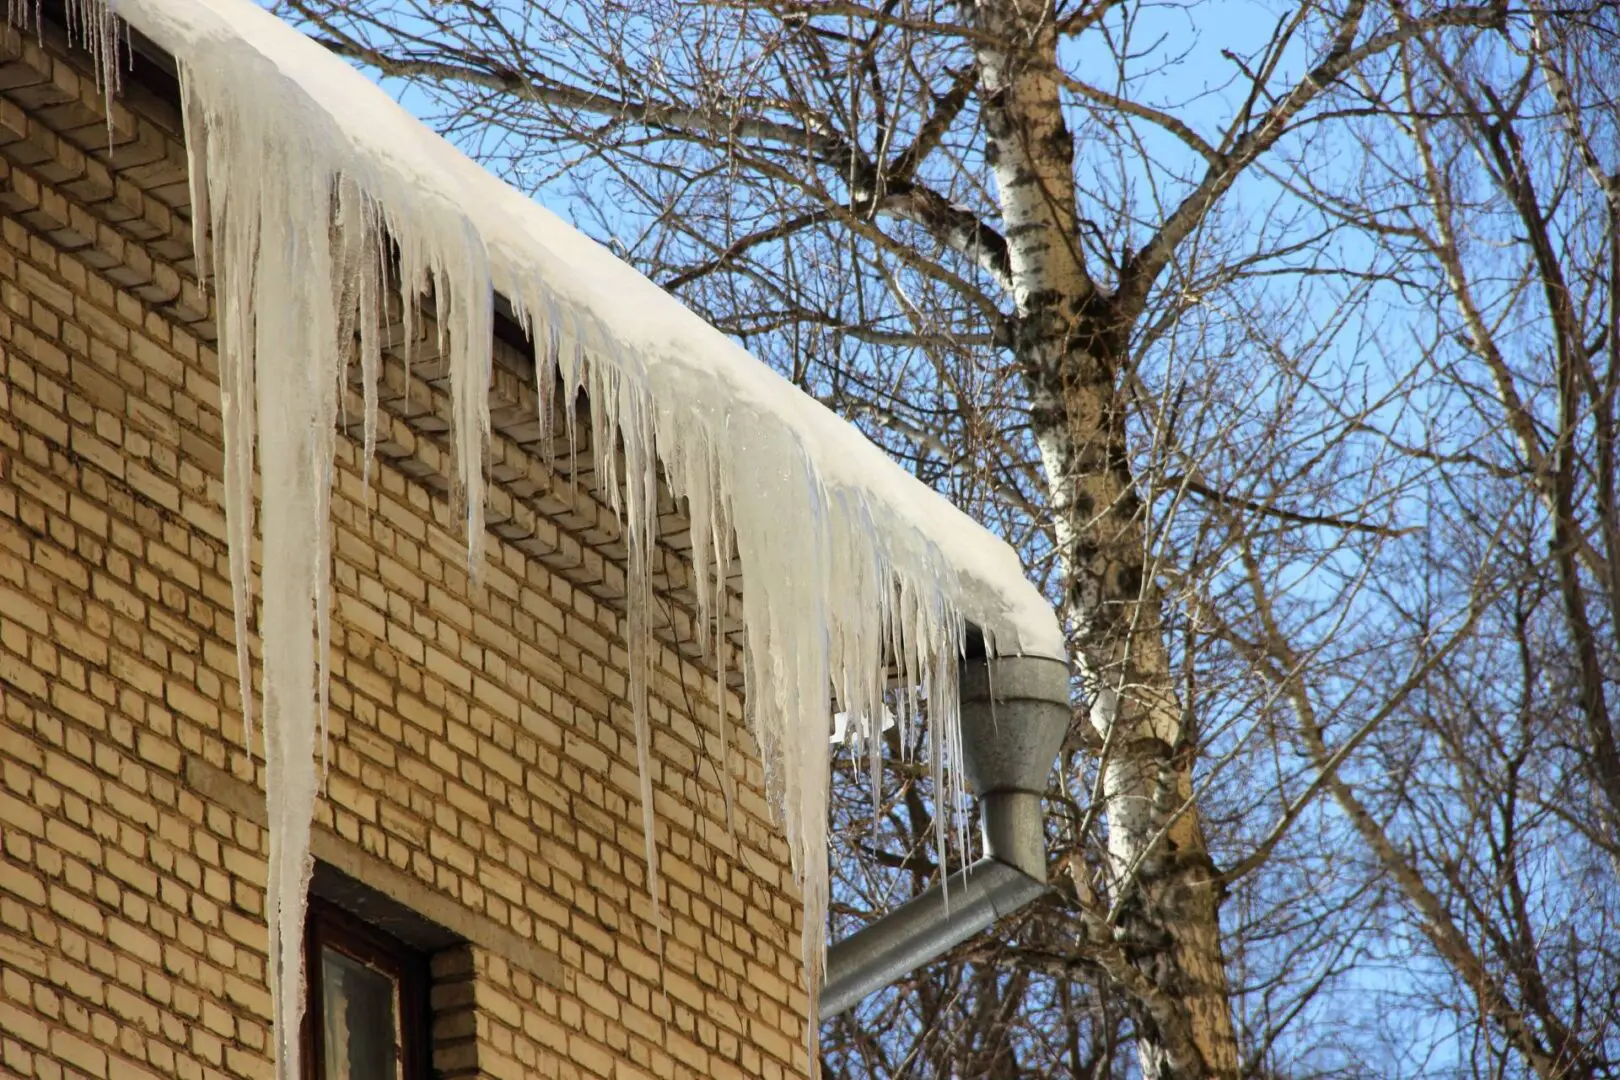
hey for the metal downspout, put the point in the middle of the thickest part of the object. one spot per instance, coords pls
(1015, 714)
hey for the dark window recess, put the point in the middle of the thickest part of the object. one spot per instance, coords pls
(366, 1015)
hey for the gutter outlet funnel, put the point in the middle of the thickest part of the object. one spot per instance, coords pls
(1015, 714)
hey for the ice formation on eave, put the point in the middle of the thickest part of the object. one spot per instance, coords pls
(302, 172)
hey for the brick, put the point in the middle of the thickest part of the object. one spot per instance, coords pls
(20, 815)
(140, 944)
(38, 284)
(24, 610)
(19, 1024)
(40, 420)
(76, 910)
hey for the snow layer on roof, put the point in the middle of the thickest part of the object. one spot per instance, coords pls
(845, 558)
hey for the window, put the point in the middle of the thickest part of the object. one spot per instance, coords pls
(367, 1014)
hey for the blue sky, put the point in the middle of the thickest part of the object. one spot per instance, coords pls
(1197, 83)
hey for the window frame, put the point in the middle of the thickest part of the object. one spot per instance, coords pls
(328, 926)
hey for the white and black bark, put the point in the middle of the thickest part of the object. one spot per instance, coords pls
(1070, 346)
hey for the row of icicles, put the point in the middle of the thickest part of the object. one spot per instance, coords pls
(301, 269)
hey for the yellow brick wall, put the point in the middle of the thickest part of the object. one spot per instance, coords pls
(482, 761)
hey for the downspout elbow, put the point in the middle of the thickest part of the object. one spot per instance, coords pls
(1015, 714)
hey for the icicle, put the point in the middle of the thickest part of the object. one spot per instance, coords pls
(466, 310)
(234, 310)
(299, 271)
(639, 509)
(93, 25)
(275, 363)
(712, 535)
(373, 291)
(362, 260)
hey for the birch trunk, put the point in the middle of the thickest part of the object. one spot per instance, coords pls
(1070, 347)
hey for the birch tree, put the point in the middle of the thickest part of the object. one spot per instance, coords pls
(1075, 263)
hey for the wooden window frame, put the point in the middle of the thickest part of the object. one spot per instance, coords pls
(328, 926)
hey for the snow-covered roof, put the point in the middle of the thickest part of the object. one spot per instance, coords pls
(845, 558)
(534, 255)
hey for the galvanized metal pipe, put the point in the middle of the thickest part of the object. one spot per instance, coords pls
(918, 931)
(1015, 713)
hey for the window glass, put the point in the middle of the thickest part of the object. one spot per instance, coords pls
(361, 1022)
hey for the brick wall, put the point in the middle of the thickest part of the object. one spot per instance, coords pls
(482, 762)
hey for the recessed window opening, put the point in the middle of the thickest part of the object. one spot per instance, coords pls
(367, 1011)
